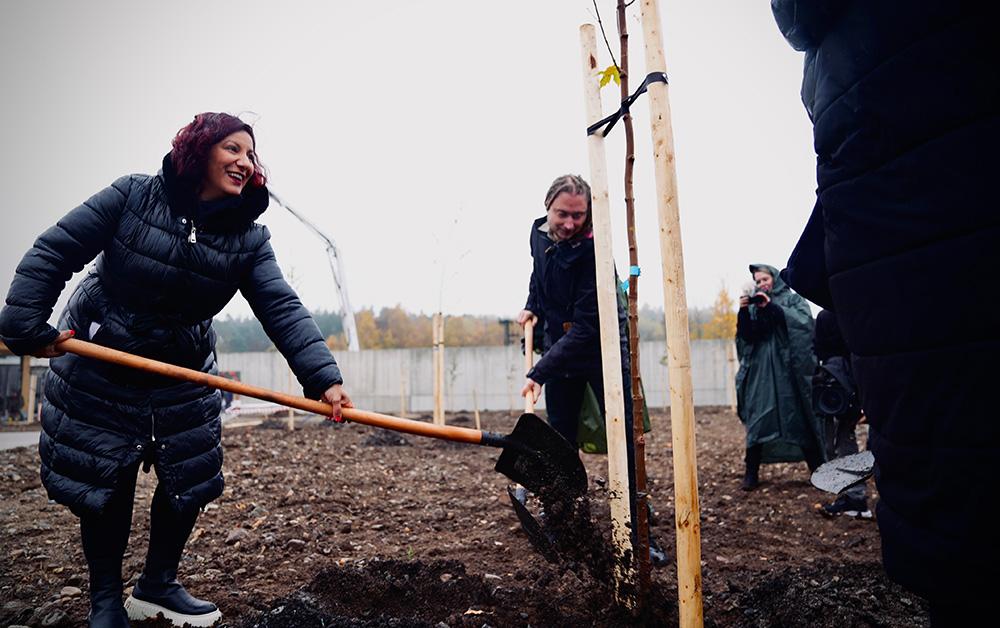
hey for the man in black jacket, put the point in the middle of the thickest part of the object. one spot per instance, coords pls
(904, 101)
(562, 292)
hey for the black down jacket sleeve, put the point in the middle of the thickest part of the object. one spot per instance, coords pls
(288, 324)
(57, 254)
(532, 303)
(575, 352)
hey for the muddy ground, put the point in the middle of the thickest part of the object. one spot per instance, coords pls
(344, 525)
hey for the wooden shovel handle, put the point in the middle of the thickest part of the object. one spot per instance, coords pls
(444, 432)
(529, 354)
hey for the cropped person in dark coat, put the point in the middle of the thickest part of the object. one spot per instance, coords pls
(906, 112)
(171, 251)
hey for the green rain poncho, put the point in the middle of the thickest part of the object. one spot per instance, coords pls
(773, 385)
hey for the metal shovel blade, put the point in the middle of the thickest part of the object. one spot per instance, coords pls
(533, 529)
(842, 473)
(540, 459)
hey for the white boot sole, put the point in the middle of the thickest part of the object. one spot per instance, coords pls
(139, 610)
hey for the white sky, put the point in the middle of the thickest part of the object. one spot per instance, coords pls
(421, 135)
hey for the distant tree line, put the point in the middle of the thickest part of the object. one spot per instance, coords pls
(395, 328)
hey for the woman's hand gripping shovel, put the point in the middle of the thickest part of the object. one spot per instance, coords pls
(534, 454)
(535, 429)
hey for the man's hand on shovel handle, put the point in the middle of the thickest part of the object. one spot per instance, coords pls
(531, 387)
(336, 397)
(524, 316)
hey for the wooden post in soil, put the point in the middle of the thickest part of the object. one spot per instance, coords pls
(607, 309)
(529, 361)
(435, 366)
(475, 409)
(291, 411)
(25, 384)
(687, 512)
(32, 388)
(441, 377)
(731, 374)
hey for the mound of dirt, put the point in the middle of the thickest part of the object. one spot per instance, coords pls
(418, 594)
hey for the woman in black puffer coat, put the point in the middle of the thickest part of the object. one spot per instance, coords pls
(905, 104)
(171, 251)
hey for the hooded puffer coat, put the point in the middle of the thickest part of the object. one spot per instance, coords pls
(906, 112)
(165, 265)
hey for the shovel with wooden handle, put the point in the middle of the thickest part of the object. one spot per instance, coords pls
(534, 454)
(542, 543)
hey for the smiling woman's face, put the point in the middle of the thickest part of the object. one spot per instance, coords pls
(764, 281)
(229, 167)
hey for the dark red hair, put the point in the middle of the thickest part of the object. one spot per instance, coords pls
(193, 143)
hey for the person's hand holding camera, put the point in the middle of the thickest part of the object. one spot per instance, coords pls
(760, 299)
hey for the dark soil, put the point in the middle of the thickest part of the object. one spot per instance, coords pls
(344, 525)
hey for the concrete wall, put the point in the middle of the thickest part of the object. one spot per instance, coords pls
(384, 380)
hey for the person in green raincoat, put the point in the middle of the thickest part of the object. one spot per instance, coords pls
(773, 395)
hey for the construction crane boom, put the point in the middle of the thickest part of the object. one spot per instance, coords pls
(339, 276)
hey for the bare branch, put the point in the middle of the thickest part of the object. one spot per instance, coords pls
(605, 36)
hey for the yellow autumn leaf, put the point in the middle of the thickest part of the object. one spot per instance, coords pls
(609, 73)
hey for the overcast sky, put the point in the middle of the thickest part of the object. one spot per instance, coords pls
(420, 135)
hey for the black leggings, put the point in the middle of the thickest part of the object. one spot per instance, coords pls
(105, 536)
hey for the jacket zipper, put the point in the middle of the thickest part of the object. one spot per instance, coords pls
(193, 236)
(152, 426)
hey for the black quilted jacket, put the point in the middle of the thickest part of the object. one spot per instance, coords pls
(562, 292)
(165, 265)
(901, 244)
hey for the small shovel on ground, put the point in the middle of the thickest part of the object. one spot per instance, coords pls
(542, 543)
(840, 474)
(534, 454)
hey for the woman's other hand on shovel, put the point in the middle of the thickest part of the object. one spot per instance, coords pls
(524, 316)
(52, 350)
(336, 397)
(531, 387)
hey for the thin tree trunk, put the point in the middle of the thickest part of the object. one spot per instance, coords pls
(642, 520)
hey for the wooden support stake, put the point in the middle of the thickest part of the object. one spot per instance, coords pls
(32, 388)
(475, 409)
(731, 374)
(291, 411)
(529, 361)
(25, 383)
(607, 309)
(438, 332)
(687, 512)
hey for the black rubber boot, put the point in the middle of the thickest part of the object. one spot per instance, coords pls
(104, 538)
(751, 479)
(157, 592)
(106, 609)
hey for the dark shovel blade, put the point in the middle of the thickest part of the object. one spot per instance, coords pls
(539, 458)
(536, 535)
(842, 473)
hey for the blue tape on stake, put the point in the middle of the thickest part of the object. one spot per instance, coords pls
(634, 271)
